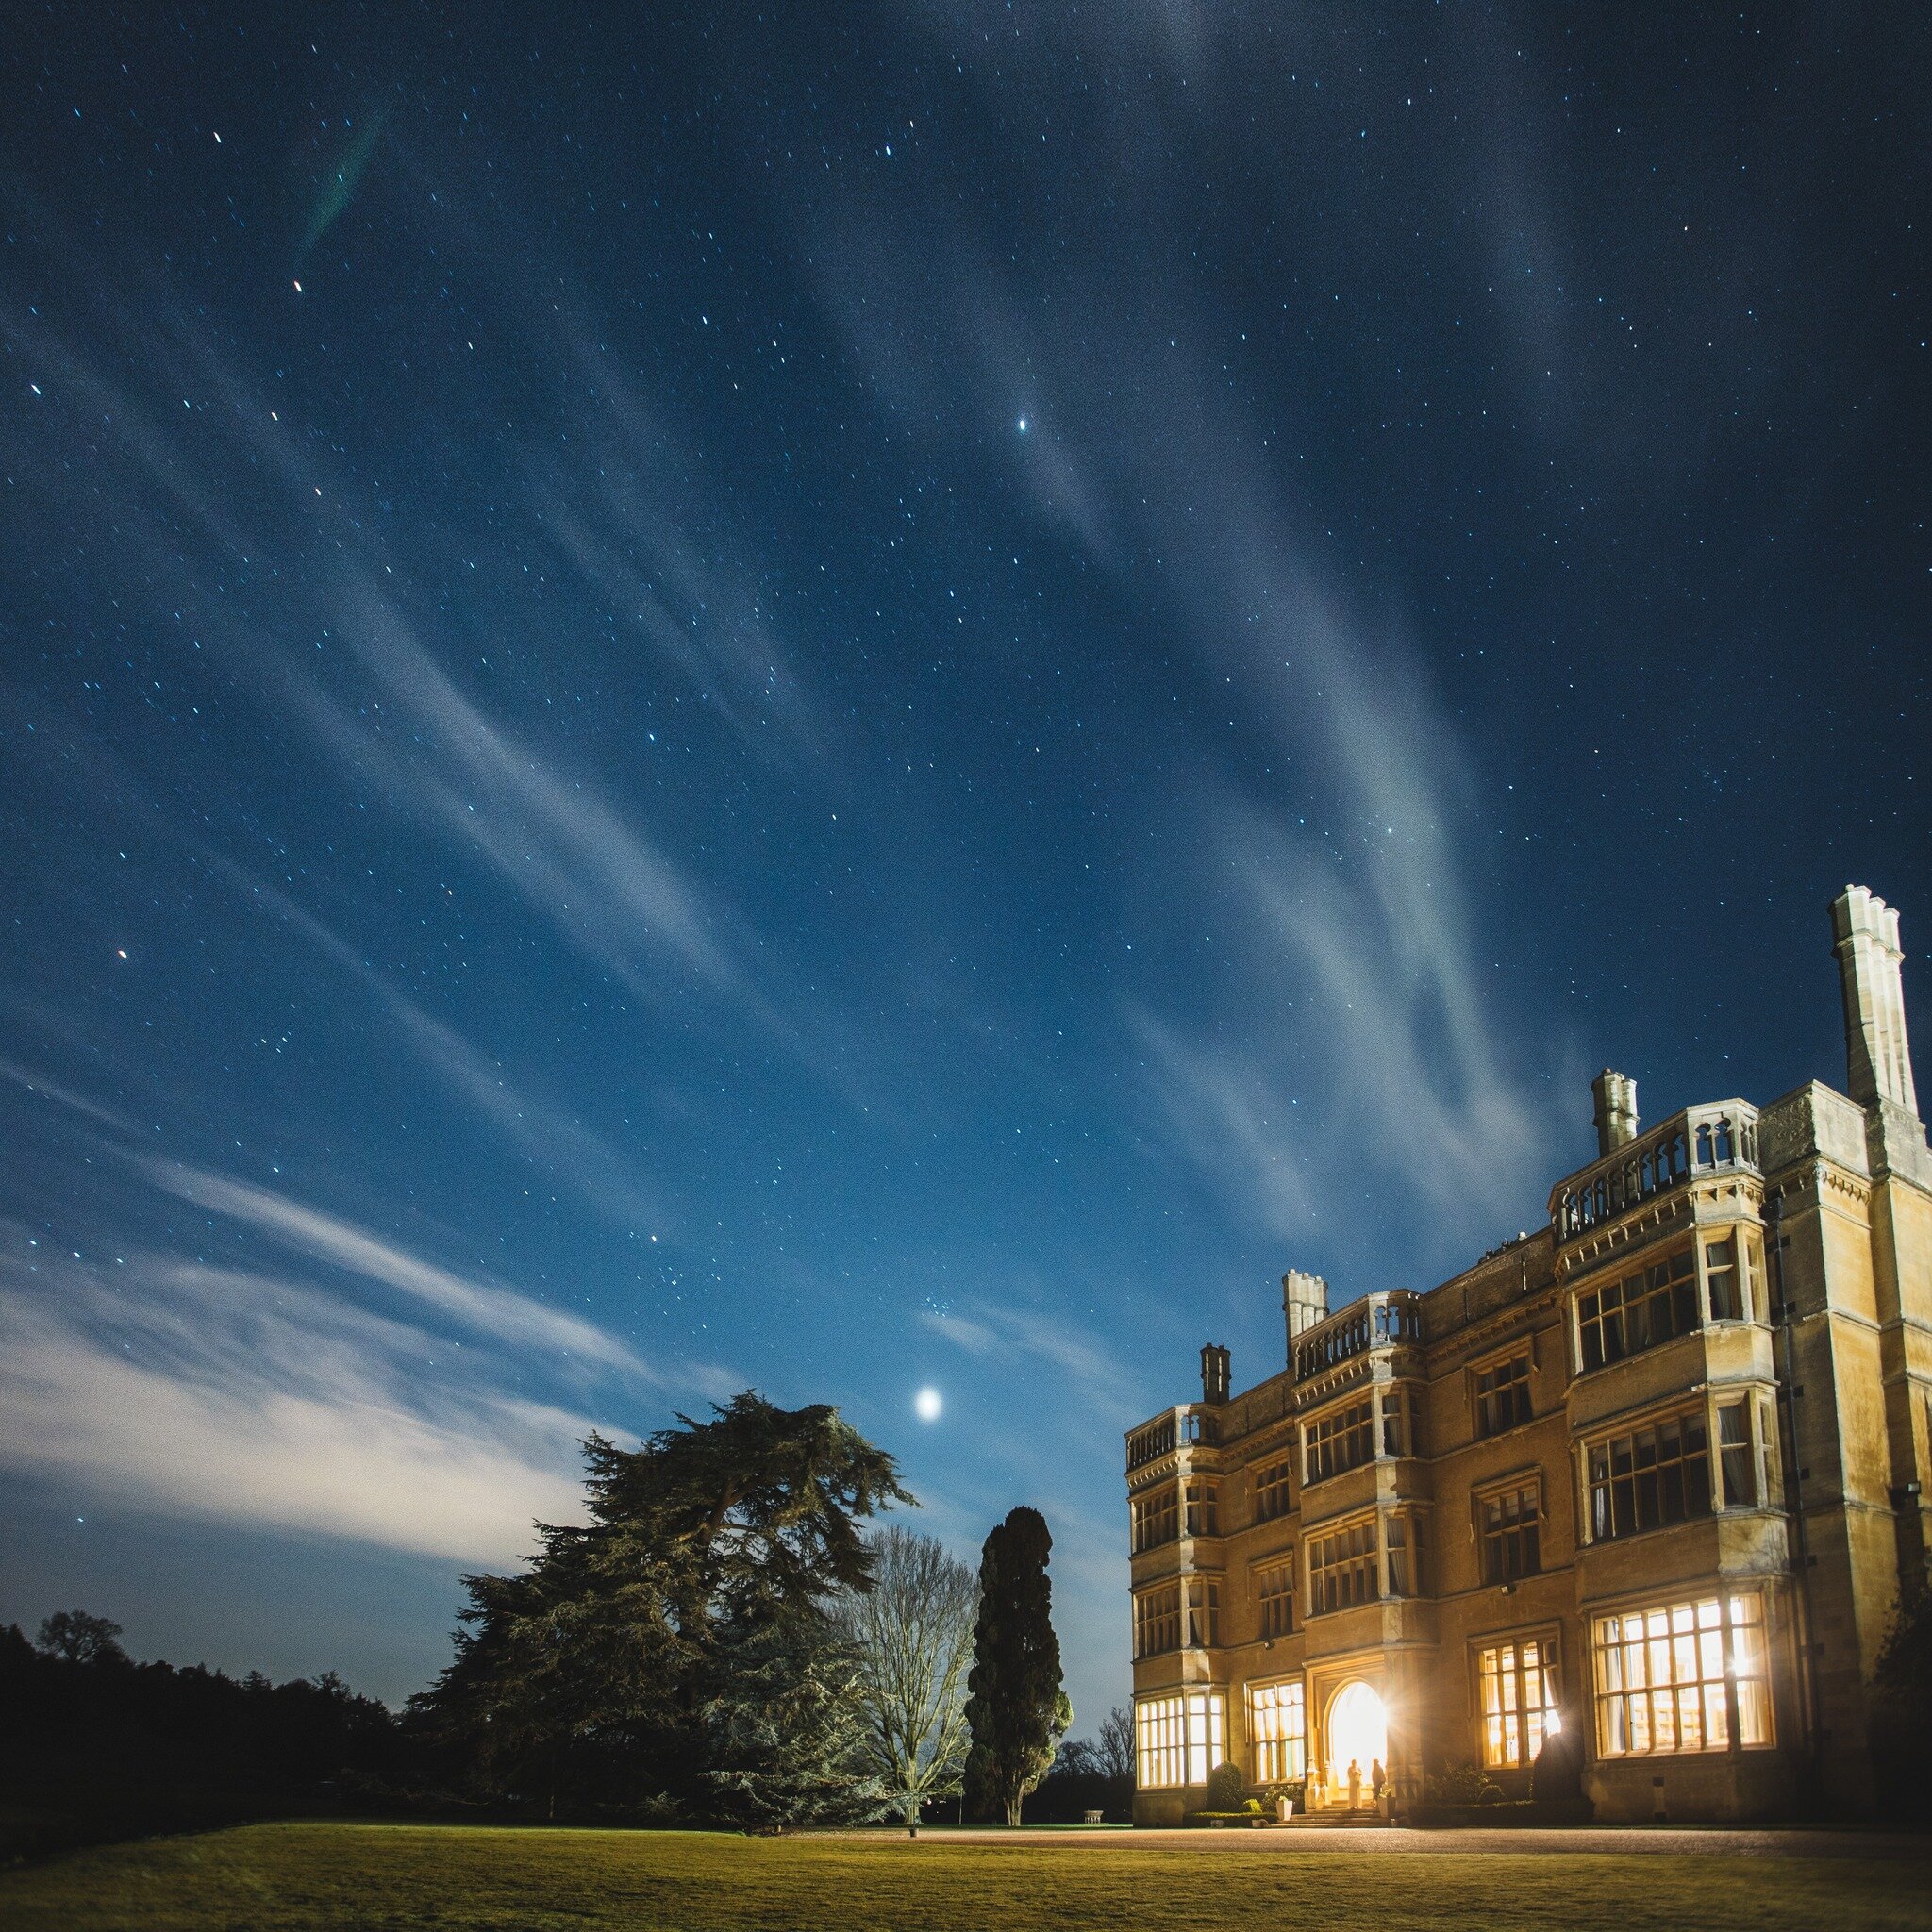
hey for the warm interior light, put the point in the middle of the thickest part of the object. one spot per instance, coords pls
(1358, 1730)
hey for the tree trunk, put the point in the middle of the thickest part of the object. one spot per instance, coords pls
(1013, 1811)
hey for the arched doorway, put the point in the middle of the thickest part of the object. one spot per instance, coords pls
(1358, 1730)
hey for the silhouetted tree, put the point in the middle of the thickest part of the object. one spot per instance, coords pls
(77, 1637)
(1117, 1743)
(1017, 1712)
(1902, 1703)
(99, 1746)
(623, 1667)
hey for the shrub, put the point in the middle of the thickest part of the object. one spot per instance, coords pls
(1227, 1787)
(1462, 1784)
(1556, 1776)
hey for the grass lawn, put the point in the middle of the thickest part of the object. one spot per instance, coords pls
(267, 1878)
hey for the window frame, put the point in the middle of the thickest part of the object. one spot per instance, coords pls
(1201, 1610)
(1355, 1562)
(1284, 1756)
(1178, 1731)
(1597, 1313)
(1157, 1613)
(1527, 1719)
(1200, 1506)
(1268, 1601)
(1334, 1437)
(1156, 1516)
(1523, 1482)
(1741, 1628)
(1633, 1478)
(1273, 1486)
(1402, 1555)
(1712, 1271)
(1522, 1356)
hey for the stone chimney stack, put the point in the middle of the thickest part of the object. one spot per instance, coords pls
(1864, 932)
(1214, 1373)
(1304, 1301)
(1616, 1110)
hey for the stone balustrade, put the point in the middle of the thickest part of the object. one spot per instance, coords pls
(1715, 1138)
(1377, 1321)
(1191, 1422)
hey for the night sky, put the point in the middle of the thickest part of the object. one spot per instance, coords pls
(887, 699)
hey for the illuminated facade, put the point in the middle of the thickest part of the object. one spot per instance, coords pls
(1655, 1471)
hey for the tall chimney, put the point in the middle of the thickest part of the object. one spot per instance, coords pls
(1214, 1373)
(1304, 1301)
(1864, 932)
(1616, 1110)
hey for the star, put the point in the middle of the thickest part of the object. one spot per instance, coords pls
(927, 1405)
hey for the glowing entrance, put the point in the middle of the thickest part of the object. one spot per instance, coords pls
(1358, 1730)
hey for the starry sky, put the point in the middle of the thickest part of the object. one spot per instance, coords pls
(880, 700)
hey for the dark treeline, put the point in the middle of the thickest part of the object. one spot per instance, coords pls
(718, 1643)
(95, 1746)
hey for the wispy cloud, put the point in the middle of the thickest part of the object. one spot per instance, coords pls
(43, 1087)
(248, 1399)
(565, 849)
(1347, 1025)
(389, 712)
(549, 1137)
(1078, 1360)
(483, 1308)
(626, 516)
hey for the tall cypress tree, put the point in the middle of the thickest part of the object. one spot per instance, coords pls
(1017, 1712)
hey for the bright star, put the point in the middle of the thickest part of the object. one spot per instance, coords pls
(927, 1405)
(1022, 425)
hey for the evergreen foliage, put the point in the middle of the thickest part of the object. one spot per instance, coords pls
(1017, 1712)
(638, 1663)
(1902, 1705)
(1227, 1787)
(99, 1746)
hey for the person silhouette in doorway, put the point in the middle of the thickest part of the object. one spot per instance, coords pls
(1355, 1784)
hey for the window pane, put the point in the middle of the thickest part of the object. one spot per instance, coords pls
(1679, 1651)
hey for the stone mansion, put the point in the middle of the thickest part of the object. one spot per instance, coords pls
(1653, 1470)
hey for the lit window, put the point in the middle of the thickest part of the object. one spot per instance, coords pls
(1510, 1525)
(1278, 1728)
(1517, 1683)
(1674, 1678)
(1272, 1491)
(1650, 1477)
(1502, 1395)
(1625, 1317)
(1179, 1739)
(1343, 1441)
(1343, 1569)
(1275, 1586)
